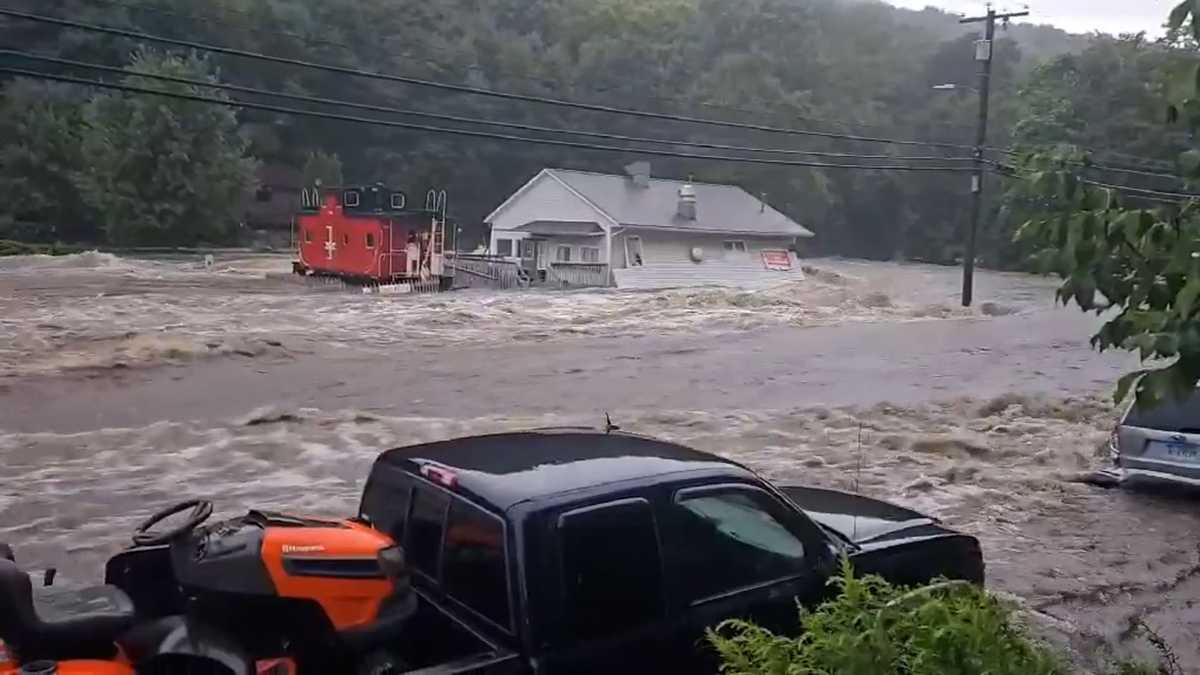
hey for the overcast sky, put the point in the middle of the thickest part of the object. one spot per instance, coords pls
(1077, 16)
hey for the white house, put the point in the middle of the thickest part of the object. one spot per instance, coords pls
(585, 228)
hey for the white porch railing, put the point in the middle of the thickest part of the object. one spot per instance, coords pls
(578, 274)
(475, 271)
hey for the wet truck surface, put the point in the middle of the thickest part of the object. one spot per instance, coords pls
(571, 551)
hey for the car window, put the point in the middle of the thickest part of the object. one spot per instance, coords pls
(473, 569)
(425, 526)
(1167, 415)
(385, 505)
(611, 567)
(724, 539)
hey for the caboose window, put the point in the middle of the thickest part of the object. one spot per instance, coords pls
(307, 236)
(345, 239)
(370, 240)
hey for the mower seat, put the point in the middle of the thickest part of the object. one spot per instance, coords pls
(60, 624)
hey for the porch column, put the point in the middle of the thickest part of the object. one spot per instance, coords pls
(608, 281)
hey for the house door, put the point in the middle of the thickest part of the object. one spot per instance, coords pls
(533, 257)
(633, 251)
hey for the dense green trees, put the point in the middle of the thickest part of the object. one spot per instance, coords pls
(163, 171)
(1131, 255)
(128, 170)
(832, 65)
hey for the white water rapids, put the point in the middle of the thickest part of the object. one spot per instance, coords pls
(128, 384)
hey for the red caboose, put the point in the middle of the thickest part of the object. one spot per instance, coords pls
(369, 235)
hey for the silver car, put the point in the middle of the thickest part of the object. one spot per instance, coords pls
(1159, 443)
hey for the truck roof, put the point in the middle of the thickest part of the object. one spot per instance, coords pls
(504, 469)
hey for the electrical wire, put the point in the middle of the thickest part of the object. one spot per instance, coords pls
(456, 118)
(1182, 196)
(1118, 169)
(467, 132)
(1147, 161)
(465, 89)
(1146, 193)
(592, 88)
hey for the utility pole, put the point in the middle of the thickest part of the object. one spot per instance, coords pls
(983, 54)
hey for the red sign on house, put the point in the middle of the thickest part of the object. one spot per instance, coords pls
(777, 260)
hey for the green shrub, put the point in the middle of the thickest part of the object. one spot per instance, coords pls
(10, 247)
(873, 628)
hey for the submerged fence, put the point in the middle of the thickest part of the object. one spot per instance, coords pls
(484, 271)
(577, 274)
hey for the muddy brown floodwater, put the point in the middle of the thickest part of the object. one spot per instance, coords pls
(129, 384)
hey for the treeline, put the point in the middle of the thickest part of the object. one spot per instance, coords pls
(80, 164)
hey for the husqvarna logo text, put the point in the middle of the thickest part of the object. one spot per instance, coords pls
(295, 548)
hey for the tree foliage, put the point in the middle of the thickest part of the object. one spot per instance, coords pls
(1127, 256)
(323, 168)
(163, 171)
(40, 160)
(875, 628)
(826, 65)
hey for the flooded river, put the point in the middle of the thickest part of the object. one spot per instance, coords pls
(128, 384)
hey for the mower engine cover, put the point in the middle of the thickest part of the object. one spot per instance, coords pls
(332, 563)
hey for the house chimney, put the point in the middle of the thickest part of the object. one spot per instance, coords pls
(639, 173)
(687, 200)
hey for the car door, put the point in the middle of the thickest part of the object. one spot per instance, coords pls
(607, 591)
(737, 551)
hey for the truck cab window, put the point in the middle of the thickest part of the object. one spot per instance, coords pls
(611, 566)
(425, 525)
(385, 505)
(728, 538)
(473, 569)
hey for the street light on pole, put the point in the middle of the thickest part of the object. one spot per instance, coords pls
(983, 55)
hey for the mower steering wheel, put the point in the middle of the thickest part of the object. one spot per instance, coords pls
(201, 510)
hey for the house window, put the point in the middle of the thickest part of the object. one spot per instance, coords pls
(504, 247)
(736, 245)
(307, 236)
(263, 194)
(633, 251)
(350, 198)
(563, 254)
(370, 240)
(589, 254)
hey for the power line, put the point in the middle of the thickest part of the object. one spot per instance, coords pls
(1147, 162)
(1090, 164)
(464, 132)
(465, 89)
(1155, 195)
(603, 88)
(456, 118)
(1182, 196)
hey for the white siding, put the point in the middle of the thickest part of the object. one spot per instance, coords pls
(672, 247)
(546, 199)
(576, 243)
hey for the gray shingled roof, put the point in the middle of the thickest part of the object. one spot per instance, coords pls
(719, 208)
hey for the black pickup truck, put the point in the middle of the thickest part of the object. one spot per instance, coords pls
(578, 551)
